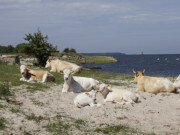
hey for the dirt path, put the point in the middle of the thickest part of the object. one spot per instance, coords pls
(159, 114)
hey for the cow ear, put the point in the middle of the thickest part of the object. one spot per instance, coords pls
(72, 73)
(28, 68)
(97, 85)
(108, 86)
(61, 72)
(87, 94)
(18, 67)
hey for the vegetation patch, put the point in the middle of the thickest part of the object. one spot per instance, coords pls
(2, 123)
(99, 59)
(34, 117)
(120, 130)
(4, 89)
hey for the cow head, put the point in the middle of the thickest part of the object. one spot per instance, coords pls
(103, 86)
(177, 82)
(48, 63)
(92, 94)
(67, 75)
(24, 70)
(137, 74)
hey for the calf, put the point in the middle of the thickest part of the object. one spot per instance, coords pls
(152, 84)
(86, 99)
(29, 75)
(76, 83)
(118, 95)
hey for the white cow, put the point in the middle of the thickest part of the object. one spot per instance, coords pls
(177, 83)
(29, 75)
(118, 95)
(86, 99)
(76, 83)
(60, 65)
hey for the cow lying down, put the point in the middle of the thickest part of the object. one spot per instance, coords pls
(177, 83)
(152, 84)
(86, 99)
(60, 65)
(76, 83)
(29, 75)
(117, 95)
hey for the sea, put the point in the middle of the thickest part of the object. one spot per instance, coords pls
(154, 65)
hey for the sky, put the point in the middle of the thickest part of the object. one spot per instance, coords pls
(95, 26)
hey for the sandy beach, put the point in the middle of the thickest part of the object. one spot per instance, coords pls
(158, 114)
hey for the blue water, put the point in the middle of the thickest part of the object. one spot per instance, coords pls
(156, 65)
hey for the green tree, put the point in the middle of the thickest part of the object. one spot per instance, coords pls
(72, 50)
(23, 48)
(39, 47)
(66, 50)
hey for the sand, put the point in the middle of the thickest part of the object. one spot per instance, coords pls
(159, 114)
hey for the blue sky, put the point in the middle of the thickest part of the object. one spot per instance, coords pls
(127, 26)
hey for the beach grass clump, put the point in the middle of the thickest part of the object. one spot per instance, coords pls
(2, 123)
(120, 130)
(4, 89)
(34, 117)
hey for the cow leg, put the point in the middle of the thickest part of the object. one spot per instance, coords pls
(44, 78)
(94, 105)
(140, 88)
(65, 88)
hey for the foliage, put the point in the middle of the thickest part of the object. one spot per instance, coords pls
(39, 47)
(7, 49)
(67, 50)
(23, 48)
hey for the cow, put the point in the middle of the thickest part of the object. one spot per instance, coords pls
(60, 65)
(86, 99)
(117, 95)
(177, 82)
(29, 75)
(153, 85)
(76, 83)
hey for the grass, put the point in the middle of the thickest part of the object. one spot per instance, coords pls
(4, 89)
(2, 123)
(11, 74)
(120, 130)
(35, 118)
(99, 59)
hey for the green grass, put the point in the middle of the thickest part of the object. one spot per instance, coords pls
(99, 59)
(11, 74)
(15, 110)
(2, 123)
(120, 130)
(4, 89)
(35, 118)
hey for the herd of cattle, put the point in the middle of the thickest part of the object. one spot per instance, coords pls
(91, 87)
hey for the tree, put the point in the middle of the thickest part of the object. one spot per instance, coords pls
(66, 50)
(23, 48)
(72, 50)
(39, 47)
